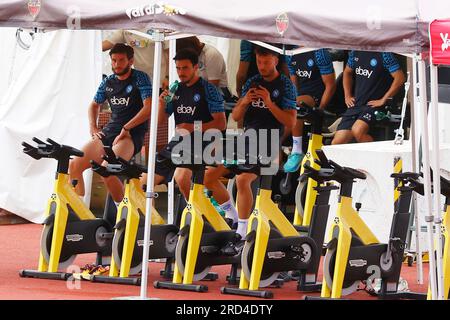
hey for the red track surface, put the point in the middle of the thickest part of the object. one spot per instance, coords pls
(20, 250)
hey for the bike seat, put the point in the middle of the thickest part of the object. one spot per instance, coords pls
(306, 112)
(118, 167)
(405, 175)
(322, 175)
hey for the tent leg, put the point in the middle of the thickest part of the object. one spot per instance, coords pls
(158, 38)
(429, 218)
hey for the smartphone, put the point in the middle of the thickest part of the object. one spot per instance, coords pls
(254, 85)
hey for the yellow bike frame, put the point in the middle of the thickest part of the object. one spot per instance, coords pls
(315, 143)
(133, 204)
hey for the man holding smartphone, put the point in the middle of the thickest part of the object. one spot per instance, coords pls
(268, 102)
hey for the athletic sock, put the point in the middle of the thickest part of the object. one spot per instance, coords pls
(242, 228)
(297, 144)
(230, 210)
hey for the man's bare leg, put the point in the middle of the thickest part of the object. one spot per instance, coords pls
(342, 136)
(360, 130)
(220, 192)
(93, 150)
(245, 203)
(124, 148)
(183, 177)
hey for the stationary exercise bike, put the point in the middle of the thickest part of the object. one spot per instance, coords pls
(354, 254)
(70, 227)
(203, 235)
(129, 228)
(274, 245)
(305, 195)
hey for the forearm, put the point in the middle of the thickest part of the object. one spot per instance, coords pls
(162, 115)
(239, 83)
(239, 111)
(93, 112)
(395, 86)
(142, 116)
(348, 84)
(326, 97)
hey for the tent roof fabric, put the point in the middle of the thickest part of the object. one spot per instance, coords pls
(381, 25)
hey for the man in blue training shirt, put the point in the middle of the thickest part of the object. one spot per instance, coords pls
(267, 102)
(195, 100)
(129, 93)
(313, 75)
(247, 64)
(375, 77)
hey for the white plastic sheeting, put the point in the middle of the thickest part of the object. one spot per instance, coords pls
(44, 92)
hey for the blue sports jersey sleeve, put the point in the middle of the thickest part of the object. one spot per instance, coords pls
(247, 84)
(289, 100)
(288, 60)
(324, 62)
(351, 60)
(213, 97)
(246, 51)
(144, 85)
(390, 62)
(100, 96)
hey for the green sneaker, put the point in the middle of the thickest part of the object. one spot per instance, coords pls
(293, 162)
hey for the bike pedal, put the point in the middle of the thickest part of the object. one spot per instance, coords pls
(184, 231)
(209, 249)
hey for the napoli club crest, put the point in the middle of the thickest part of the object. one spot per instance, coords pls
(197, 97)
(34, 7)
(282, 22)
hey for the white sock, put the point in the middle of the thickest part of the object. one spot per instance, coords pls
(297, 144)
(242, 228)
(230, 210)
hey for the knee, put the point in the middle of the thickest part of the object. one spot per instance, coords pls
(76, 166)
(210, 179)
(184, 184)
(337, 139)
(358, 133)
(242, 182)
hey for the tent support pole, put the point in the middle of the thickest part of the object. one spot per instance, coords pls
(158, 38)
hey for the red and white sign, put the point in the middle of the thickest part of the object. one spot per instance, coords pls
(440, 42)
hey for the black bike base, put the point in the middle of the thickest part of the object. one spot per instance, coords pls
(250, 293)
(320, 298)
(309, 287)
(44, 275)
(116, 280)
(180, 286)
(166, 275)
(233, 280)
(402, 295)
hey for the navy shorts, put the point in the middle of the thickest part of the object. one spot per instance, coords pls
(364, 113)
(111, 133)
(163, 163)
(315, 94)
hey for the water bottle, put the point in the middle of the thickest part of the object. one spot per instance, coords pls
(172, 89)
(380, 115)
